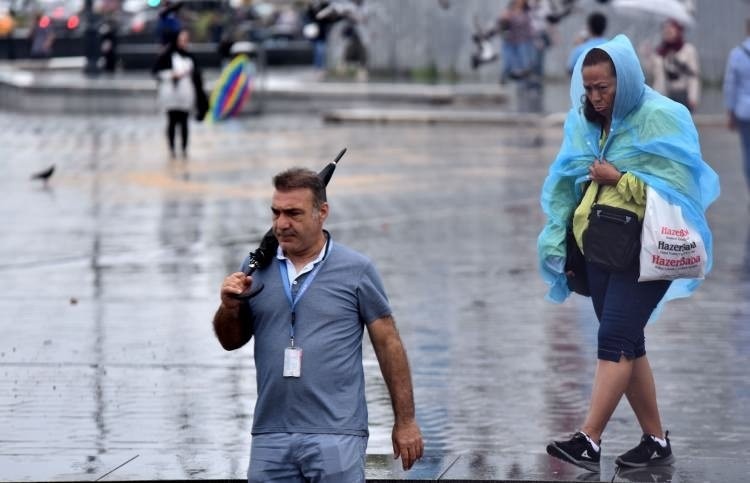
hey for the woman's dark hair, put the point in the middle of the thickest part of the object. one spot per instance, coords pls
(301, 178)
(593, 57)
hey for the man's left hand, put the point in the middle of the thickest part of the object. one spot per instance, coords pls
(407, 443)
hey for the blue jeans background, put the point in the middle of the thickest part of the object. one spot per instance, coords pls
(519, 60)
(319, 54)
(743, 127)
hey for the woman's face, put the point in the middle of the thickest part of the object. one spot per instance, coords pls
(600, 85)
(670, 32)
(182, 39)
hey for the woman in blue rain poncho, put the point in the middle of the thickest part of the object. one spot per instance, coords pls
(619, 137)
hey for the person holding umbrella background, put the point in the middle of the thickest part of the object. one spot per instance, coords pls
(675, 66)
(307, 306)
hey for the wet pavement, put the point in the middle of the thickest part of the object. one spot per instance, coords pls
(109, 278)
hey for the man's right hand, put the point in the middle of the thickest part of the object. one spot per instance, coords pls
(234, 285)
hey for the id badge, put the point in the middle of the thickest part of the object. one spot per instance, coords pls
(292, 362)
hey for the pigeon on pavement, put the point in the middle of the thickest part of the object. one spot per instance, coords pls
(44, 175)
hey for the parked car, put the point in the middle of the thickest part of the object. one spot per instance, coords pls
(63, 17)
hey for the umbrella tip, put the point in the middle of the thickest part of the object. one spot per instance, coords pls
(339, 156)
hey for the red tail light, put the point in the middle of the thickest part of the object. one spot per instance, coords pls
(44, 22)
(73, 22)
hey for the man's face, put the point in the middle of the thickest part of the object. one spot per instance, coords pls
(296, 224)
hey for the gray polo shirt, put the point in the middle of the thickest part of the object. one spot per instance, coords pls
(329, 397)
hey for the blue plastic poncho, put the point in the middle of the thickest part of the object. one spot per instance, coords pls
(652, 137)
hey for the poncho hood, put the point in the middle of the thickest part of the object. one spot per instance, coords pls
(630, 87)
(651, 136)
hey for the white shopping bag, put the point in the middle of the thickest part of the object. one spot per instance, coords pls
(670, 247)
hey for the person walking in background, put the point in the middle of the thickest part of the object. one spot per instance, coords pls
(320, 18)
(737, 96)
(169, 23)
(108, 44)
(518, 50)
(675, 67)
(622, 136)
(180, 89)
(312, 304)
(596, 24)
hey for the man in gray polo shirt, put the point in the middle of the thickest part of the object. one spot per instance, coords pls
(310, 421)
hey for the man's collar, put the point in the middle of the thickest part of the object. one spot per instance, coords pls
(281, 256)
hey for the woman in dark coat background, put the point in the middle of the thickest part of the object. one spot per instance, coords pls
(180, 89)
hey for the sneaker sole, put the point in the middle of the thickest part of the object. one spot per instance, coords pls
(555, 451)
(658, 462)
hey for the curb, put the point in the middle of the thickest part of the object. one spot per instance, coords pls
(457, 116)
(436, 116)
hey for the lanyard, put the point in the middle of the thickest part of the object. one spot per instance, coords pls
(308, 281)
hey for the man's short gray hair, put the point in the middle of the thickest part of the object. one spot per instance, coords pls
(302, 178)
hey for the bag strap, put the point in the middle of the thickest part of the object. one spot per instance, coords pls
(596, 198)
(583, 191)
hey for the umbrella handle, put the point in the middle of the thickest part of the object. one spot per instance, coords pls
(268, 244)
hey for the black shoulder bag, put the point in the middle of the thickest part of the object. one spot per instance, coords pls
(575, 266)
(613, 237)
(575, 263)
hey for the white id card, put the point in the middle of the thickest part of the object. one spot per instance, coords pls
(292, 362)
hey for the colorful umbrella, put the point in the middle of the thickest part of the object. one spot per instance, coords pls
(232, 89)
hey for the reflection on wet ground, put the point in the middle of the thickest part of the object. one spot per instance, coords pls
(110, 277)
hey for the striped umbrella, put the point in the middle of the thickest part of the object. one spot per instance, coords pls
(232, 89)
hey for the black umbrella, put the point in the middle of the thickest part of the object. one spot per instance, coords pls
(262, 256)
